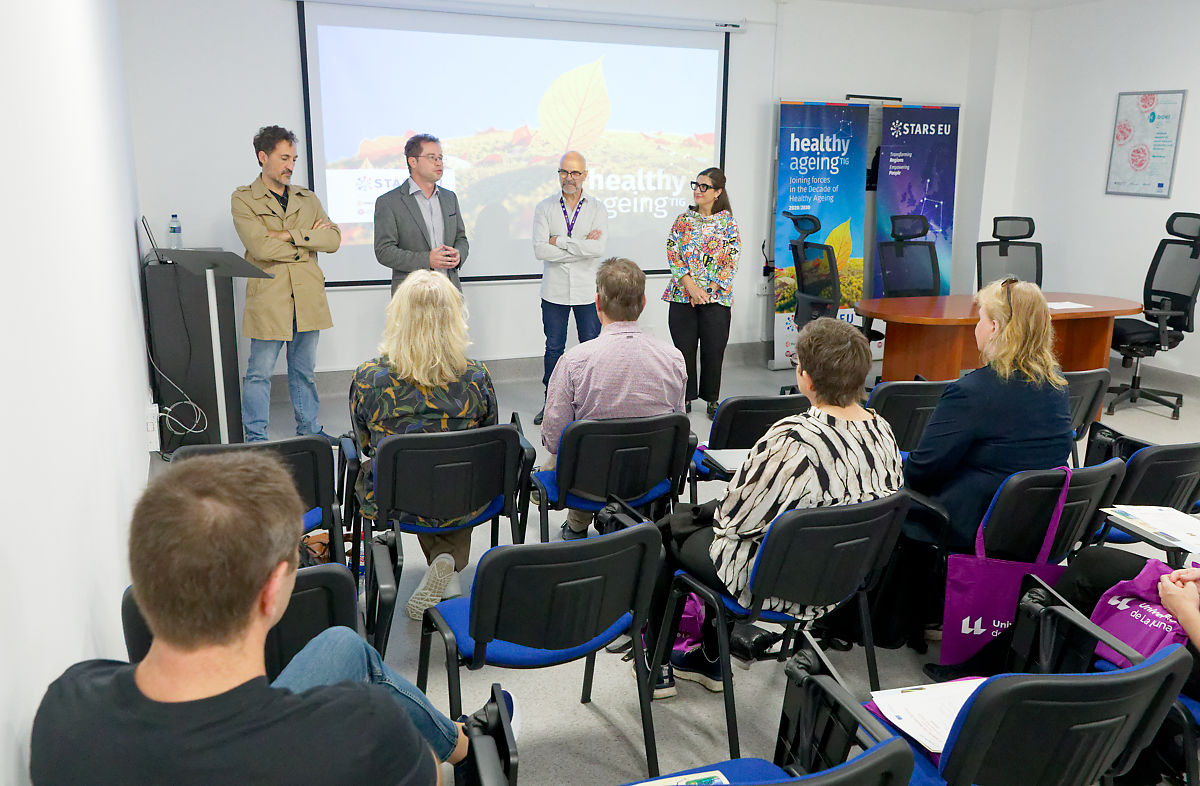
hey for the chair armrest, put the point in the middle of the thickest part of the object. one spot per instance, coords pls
(516, 421)
(928, 502)
(349, 449)
(385, 577)
(492, 754)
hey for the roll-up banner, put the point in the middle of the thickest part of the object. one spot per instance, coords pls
(822, 171)
(917, 160)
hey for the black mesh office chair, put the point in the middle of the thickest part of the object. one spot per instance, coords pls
(1168, 308)
(818, 290)
(908, 266)
(324, 597)
(1006, 255)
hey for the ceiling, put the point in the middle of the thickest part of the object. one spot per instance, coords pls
(968, 6)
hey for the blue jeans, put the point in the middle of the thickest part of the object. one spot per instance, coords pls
(302, 383)
(554, 324)
(341, 655)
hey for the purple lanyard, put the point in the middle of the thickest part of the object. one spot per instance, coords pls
(570, 219)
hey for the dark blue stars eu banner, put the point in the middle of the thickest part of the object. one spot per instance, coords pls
(916, 176)
(822, 171)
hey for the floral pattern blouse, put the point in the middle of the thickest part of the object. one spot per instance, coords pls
(707, 247)
(382, 404)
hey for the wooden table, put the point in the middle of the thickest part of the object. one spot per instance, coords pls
(935, 336)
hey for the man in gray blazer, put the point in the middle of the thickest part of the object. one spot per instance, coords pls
(418, 225)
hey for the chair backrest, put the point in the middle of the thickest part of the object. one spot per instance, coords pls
(1015, 522)
(818, 288)
(1175, 271)
(1068, 729)
(558, 596)
(742, 420)
(821, 556)
(447, 474)
(1165, 475)
(909, 267)
(624, 457)
(821, 725)
(1086, 391)
(906, 406)
(1007, 255)
(324, 597)
(308, 458)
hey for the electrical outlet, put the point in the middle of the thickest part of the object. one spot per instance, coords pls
(763, 288)
(152, 443)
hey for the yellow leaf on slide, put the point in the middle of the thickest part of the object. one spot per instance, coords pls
(839, 239)
(574, 110)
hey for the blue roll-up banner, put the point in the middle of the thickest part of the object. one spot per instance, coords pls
(917, 160)
(822, 171)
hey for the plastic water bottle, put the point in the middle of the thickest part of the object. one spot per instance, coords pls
(174, 232)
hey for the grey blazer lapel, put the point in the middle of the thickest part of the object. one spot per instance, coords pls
(410, 202)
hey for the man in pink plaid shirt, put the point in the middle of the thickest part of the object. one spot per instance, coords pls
(622, 373)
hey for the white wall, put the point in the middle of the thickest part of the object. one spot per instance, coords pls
(192, 128)
(73, 352)
(1080, 58)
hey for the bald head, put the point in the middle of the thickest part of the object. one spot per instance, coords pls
(572, 171)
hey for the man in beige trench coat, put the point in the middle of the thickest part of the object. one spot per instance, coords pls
(282, 227)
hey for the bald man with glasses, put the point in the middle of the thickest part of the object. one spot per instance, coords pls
(570, 235)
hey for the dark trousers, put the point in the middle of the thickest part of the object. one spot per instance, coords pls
(554, 325)
(689, 554)
(707, 325)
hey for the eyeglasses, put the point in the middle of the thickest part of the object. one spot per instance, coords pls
(703, 188)
(1007, 285)
(574, 174)
(434, 158)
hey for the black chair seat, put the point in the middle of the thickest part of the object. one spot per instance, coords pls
(1128, 333)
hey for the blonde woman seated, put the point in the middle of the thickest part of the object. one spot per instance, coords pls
(1010, 415)
(835, 453)
(422, 382)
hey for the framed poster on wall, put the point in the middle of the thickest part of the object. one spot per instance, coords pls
(1141, 161)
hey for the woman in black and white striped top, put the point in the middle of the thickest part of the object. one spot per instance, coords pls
(836, 453)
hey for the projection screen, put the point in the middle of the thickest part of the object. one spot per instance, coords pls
(507, 97)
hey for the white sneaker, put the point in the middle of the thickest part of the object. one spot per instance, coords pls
(429, 591)
(453, 587)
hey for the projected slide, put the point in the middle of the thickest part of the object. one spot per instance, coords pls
(506, 109)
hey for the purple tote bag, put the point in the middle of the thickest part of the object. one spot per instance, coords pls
(1131, 611)
(981, 592)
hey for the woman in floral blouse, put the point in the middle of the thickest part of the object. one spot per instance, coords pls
(422, 382)
(703, 250)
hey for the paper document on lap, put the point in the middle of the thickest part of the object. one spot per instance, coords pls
(926, 712)
(712, 776)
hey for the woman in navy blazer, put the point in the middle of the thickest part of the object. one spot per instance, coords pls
(1010, 415)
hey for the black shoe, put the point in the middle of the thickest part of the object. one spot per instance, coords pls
(687, 407)
(537, 419)
(712, 409)
(939, 673)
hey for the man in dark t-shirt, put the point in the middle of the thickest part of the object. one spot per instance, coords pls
(213, 554)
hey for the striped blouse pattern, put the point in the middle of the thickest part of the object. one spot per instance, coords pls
(805, 461)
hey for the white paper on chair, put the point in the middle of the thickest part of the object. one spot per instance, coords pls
(1062, 305)
(712, 776)
(1163, 524)
(926, 712)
